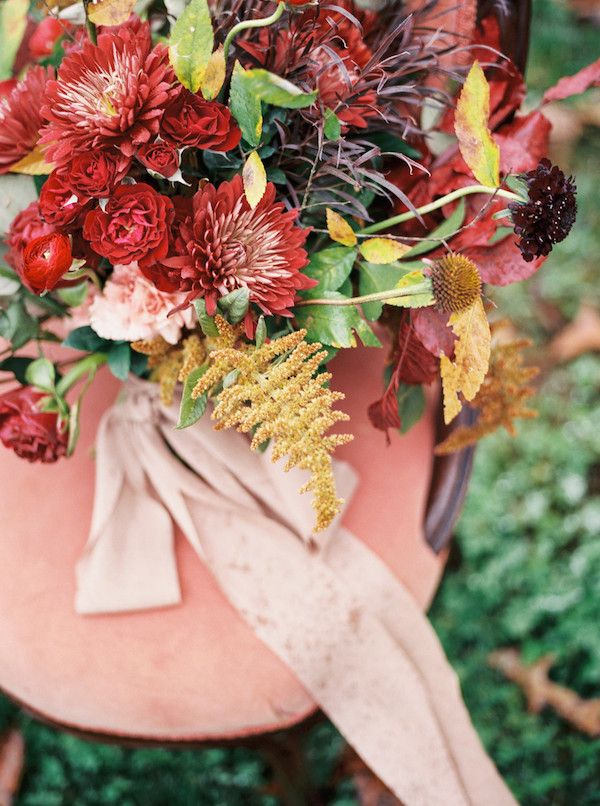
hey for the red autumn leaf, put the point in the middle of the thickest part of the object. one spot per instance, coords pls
(432, 330)
(523, 142)
(573, 85)
(502, 263)
(414, 364)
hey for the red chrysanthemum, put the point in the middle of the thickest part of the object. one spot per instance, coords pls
(20, 118)
(108, 95)
(228, 246)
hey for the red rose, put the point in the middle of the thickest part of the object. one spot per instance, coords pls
(160, 157)
(45, 36)
(133, 227)
(59, 204)
(26, 226)
(44, 262)
(191, 121)
(30, 433)
(96, 173)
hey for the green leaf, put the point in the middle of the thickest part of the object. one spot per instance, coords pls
(411, 405)
(139, 364)
(331, 267)
(245, 105)
(333, 126)
(9, 282)
(16, 325)
(191, 44)
(418, 300)
(440, 233)
(392, 143)
(13, 21)
(234, 306)
(41, 374)
(191, 410)
(374, 278)
(207, 323)
(17, 365)
(335, 325)
(119, 360)
(277, 91)
(73, 295)
(261, 332)
(85, 339)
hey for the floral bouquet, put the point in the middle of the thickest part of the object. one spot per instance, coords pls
(231, 192)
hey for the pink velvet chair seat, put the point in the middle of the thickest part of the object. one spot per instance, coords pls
(193, 672)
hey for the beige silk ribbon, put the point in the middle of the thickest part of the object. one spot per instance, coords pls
(334, 613)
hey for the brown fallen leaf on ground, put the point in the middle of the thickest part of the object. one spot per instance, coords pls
(12, 758)
(369, 789)
(582, 335)
(541, 692)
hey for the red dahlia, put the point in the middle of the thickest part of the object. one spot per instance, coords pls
(228, 245)
(108, 95)
(20, 118)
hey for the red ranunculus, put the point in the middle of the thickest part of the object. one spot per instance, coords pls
(26, 226)
(30, 433)
(96, 173)
(160, 157)
(59, 203)
(45, 260)
(45, 36)
(189, 120)
(134, 226)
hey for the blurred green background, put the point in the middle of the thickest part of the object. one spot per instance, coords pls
(524, 570)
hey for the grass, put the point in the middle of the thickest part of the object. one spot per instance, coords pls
(525, 568)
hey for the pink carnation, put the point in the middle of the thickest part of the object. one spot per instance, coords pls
(130, 307)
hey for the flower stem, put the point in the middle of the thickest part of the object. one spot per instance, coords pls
(246, 24)
(392, 293)
(435, 205)
(89, 364)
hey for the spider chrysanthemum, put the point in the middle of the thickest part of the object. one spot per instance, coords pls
(456, 283)
(547, 217)
(109, 95)
(225, 245)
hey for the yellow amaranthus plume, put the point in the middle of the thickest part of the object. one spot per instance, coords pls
(275, 393)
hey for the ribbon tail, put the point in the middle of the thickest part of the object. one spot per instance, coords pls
(128, 562)
(362, 570)
(361, 676)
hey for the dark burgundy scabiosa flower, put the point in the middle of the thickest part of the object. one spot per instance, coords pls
(108, 95)
(549, 214)
(20, 118)
(228, 246)
(30, 433)
(133, 227)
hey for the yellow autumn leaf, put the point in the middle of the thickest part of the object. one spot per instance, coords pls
(339, 229)
(254, 177)
(33, 164)
(213, 78)
(477, 147)
(383, 250)
(109, 12)
(466, 372)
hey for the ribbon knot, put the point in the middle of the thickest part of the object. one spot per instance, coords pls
(338, 617)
